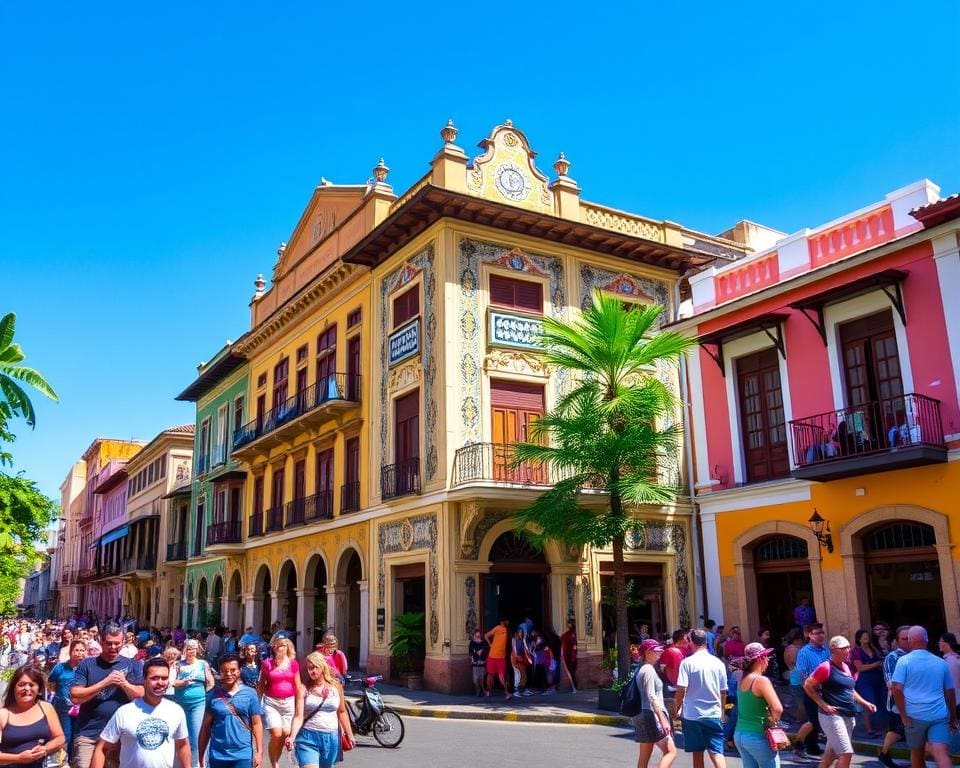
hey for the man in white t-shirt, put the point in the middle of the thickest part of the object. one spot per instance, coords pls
(701, 698)
(151, 731)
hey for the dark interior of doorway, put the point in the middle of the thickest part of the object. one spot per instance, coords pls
(514, 596)
(644, 605)
(778, 593)
(907, 592)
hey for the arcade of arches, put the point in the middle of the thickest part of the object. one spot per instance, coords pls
(896, 566)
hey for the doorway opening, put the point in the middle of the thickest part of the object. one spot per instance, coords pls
(516, 586)
(782, 569)
(645, 601)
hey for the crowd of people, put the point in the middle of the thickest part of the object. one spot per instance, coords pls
(87, 694)
(721, 692)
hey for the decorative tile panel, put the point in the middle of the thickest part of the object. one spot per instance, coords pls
(587, 605)
(471, 622)
(419, 532)
(571, 589)
(514, 330)
(670, 538)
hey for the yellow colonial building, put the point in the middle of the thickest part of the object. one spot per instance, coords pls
(391, 369)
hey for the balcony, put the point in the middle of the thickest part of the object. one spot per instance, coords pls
(131, 565)
(274, 519)
(319, 506)
(295, 511)
(879, 436)
(226, 532)
(176, 552)
(400, 479)
(336, 392)
(219, 457)
(350, 497)
(493, 462)
(203, 464)
(256, 525)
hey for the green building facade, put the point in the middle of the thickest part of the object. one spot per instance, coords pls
(211, 530)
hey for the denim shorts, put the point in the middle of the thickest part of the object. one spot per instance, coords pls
(922, 731)
(317, 747)
(705, 733)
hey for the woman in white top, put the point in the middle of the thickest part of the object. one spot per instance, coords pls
(129, 648)
(319, 717)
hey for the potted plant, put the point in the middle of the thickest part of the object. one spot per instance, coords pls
(407, 644)
(609, 693)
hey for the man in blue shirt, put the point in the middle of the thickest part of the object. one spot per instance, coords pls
(923, 690)
(232, 726)
(894, 723)
(809, 658)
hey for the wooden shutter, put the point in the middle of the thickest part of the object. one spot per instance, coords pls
(406, 306)
(519, 294)
(763, 425)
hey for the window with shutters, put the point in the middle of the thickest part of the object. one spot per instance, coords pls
(280, 374)
(406, 306)
(515, 407)
(763, 426)
(524, 295)
(326, 360)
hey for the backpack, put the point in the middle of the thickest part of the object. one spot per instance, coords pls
(630, 700)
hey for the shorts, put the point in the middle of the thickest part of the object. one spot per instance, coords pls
(838, 729)
(923, 731)
(277, 713)
(646, 728)
(703, 734)
(894, 724)
(478, 675)
(497, 667)
(317, 747)
(83, 747)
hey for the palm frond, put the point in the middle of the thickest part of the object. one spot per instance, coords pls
(30, 376)
(7, 325)
(18, 400)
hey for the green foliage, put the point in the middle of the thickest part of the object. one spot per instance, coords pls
(25, 513)
(408, 641)
(608, 432)
(14, 401)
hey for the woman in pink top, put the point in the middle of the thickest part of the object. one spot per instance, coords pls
(278, 685)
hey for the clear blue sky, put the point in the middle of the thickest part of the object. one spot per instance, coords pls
(153, 157)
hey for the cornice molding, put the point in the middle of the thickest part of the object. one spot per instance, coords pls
(298, 305)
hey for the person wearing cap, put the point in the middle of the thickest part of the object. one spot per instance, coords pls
(831, 687)
(652, 726)
(701, 699)
(758, 707)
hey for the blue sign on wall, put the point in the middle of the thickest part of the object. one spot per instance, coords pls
(404, 342)
(514, 330)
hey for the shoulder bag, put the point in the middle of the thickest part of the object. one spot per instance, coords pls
(222, 695)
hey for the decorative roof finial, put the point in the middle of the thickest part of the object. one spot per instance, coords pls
(380, 171)
(508, 122)
(280, 249)
(260, 284)
(562, 165)
(449, 132)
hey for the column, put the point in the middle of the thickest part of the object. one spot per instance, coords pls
(305, 620)
(252, 612)
(364, 622)
(337, 614)
(225, 612)
(275, 605)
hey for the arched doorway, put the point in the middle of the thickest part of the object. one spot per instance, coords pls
(203, 615)
(349, 575)
(781, 566)
(189, 605)
(903, 575)
(516, 587)
(217, 601)
(316, 580)
(234, 617)
(287, 587)
(262, 615)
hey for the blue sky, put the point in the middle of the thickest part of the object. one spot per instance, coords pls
(154, 157)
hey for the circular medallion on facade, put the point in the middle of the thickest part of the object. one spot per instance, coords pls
(406, 535)
(512, 182)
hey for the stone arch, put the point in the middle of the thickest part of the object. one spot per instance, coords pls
(286, 590)
(746, 581)
(349, 598)
(343, 558)
(551, 551)
(316, 584)
(316, 561)
(234, 602)
(262, 588)
(854, 572)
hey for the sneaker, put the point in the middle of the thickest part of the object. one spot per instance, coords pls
(800, 754)
(528, 692)
(887, 760)
(573, 690)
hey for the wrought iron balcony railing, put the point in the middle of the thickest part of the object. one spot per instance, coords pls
(319, 506)
(350, 497)
(274, 517)
(224, 532)
(495, 462)
(256, 525)
(295, 511)
(176, 550)
(400, 479)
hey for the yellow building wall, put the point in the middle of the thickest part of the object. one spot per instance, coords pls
(117, 449)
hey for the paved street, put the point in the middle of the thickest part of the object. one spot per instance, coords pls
(464, 744)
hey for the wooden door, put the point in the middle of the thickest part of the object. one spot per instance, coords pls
(872, 375)
(515, 407)
(763, 425)
(407, 441)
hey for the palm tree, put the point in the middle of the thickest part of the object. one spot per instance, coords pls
(608, 432)
(13, 400)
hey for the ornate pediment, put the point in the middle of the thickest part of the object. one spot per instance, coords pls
(515, 361)
(405, 376)
(506, 172)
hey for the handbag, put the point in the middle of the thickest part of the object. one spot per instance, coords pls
(345, 744)
(777, 738)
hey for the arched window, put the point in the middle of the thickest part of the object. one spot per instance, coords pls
(899, 535)
(779, 549)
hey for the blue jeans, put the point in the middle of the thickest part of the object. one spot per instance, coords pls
(194, 712)
(755, 750)
(66, 722)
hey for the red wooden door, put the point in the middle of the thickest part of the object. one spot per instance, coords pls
(515, 407)
(763, 425)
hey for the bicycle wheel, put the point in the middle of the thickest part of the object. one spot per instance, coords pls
(388, 729)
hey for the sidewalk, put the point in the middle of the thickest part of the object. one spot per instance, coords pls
(575, 708)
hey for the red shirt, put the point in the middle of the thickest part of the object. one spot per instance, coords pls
(671, 658)
(568, 645)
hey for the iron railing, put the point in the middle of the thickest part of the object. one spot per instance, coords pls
(875, 427)
(350, 497)
(203, 464)
(225, 532)
(176, 551)
(274, 517)
(400, 479)
(256, 525)
(495, 462)
(295, 510)
(145, 562)
(219, 457)
(319, 506)
(339, 387)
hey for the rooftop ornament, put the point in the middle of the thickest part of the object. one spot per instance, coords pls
(562, 165)
(449, 133)
(380, 172)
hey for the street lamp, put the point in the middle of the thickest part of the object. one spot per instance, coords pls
(821, 529)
